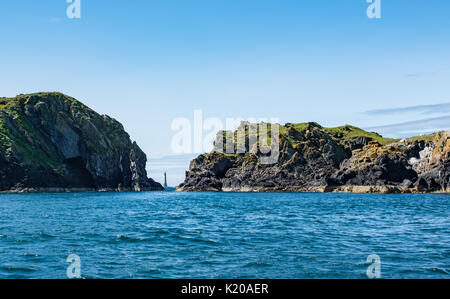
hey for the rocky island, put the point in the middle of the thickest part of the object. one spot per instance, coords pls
(50, 142)
(317, 159)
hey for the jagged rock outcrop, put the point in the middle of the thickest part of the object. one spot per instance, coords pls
(52, 142)
(313, 158)
(432, 164)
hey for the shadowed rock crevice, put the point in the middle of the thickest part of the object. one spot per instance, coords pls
(77, 169)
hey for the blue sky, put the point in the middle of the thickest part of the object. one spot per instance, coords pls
(148, 62)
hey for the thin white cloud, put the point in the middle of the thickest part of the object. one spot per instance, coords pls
(423, 109)
(413, 75)
(414, 128)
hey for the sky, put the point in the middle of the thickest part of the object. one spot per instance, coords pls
(148, 62)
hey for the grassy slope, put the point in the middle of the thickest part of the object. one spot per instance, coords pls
(14, 138)
(348, 132)
(428, 137)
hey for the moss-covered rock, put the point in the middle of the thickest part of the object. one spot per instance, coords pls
(50, 140)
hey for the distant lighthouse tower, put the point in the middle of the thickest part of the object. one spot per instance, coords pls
(165, 180)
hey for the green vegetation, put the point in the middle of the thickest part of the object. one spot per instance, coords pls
(20, 138)
(17, 131)
(342, 135)
(347, 132)
(266, 139)
(15, 141)
(425, 138)
(302, 127)
(7, 103)
(5, 140)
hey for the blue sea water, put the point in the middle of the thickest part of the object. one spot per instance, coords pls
(209, 235)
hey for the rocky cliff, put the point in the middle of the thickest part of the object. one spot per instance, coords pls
(318, 159)
(52, 142)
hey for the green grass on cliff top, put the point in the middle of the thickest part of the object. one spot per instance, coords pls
(342, 133)
(11, 103)
(348, 132)
(425, 138)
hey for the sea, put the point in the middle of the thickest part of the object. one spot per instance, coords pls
(224, 235)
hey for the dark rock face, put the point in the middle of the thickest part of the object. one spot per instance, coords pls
(313, 158)
(49, 141)
(374, 165)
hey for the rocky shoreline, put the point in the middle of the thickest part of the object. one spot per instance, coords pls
(317, 159)
(73, 190)
(322, 189)
(338, 189)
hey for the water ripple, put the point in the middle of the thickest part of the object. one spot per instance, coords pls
(209, 235)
